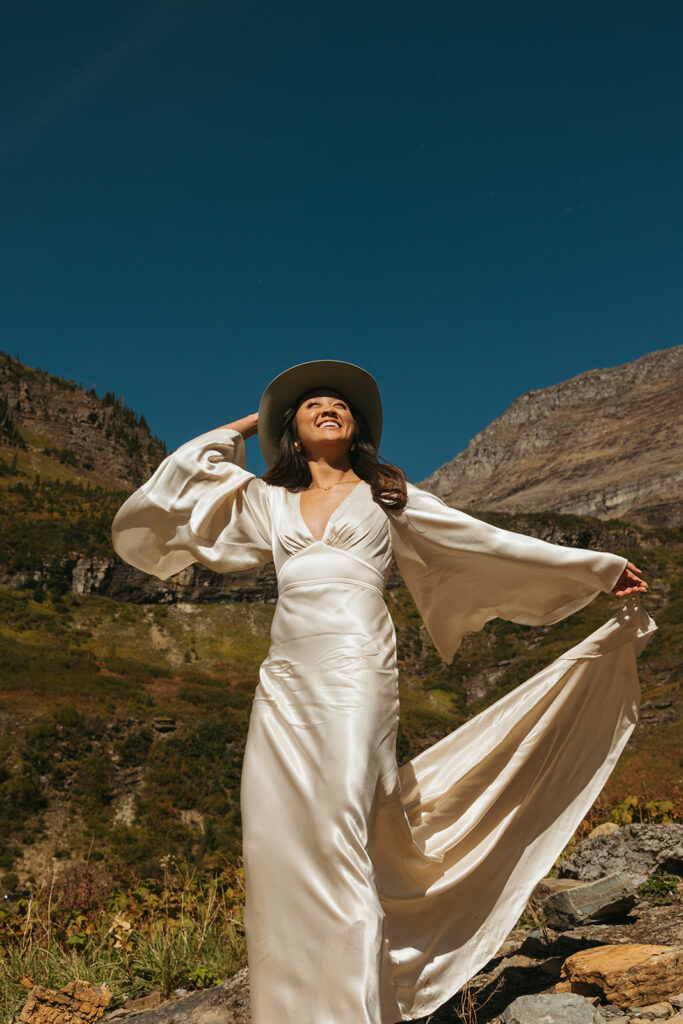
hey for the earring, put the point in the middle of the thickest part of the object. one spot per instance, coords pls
(297, 445)
(352, 447)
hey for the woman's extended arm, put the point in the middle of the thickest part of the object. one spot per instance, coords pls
(462, 572)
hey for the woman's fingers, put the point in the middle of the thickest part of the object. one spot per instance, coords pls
(630, 582)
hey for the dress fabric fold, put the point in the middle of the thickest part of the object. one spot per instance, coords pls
(374, 893)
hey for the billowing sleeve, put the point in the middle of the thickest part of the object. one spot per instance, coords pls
(201, 505)
(461, 572)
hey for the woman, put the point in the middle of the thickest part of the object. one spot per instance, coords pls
(373, 894)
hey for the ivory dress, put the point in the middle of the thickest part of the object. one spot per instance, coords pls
(372, 893)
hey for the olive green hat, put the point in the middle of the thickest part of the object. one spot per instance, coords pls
(356, 385)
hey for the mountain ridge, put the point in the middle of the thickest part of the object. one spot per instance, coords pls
(55, 428)
(605, 443)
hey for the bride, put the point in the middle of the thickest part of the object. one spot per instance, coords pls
(374, 893)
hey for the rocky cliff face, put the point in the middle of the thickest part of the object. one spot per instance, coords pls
(113, 578)
(53, 427)
(608, 443)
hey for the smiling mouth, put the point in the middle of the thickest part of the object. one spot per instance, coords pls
(330, 423)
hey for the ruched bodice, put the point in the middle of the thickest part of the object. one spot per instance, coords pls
(357, 529)
(374, 894)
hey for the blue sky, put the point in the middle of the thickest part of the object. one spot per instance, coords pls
(471, 201)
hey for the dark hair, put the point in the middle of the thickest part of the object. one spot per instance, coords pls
(290, 469)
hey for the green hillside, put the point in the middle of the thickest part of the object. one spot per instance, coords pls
(89, 763)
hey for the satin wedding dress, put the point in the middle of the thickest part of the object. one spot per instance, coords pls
(372, 893)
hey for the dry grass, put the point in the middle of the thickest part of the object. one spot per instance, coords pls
(185, 931)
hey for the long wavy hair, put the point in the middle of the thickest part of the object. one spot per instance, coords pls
(290, 469)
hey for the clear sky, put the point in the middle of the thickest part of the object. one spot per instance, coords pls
(470, 200)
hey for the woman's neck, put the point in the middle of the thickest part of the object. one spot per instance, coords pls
(326, 474)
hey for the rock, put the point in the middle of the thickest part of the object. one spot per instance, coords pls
(148, 1002)
(607, 828)
(614, 1014)
(629, 974)
(677, 1001)
(606, 898)
(557, 945)
(676, 1019)
(551, 965)
(550, 1008)
(638, 850)
(78, 1001)
(224, 1004)
(163, 724)
(655, 1011)
(549, 886)
(509, 946)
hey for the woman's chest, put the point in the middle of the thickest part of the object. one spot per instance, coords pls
(357, 525)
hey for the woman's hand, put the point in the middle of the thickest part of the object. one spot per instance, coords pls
(247, 426)
(629, 582)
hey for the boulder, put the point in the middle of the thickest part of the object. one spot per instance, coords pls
(602, 900)
(550, 1008)
(637, 850)
(628, 974)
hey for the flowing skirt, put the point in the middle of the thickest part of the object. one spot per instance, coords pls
(372, 893)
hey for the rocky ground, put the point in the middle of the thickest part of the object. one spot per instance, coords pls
(607, 946)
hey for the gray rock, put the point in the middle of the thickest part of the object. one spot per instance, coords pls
(637, 850)
(613, 1014)
(225, 1004)
(548, 886)
(551, 1008)
(606, 898)
(654, 1011)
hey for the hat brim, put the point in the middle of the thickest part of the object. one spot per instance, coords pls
(356, 385)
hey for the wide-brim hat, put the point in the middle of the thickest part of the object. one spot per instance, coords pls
(353, 382)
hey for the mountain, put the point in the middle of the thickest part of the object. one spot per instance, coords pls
(54, 428)
(124, 700)
(607, 443)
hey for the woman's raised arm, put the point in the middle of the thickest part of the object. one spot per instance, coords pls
(247, 426)
(201, 505)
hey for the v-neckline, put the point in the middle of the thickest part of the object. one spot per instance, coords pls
(320, 540)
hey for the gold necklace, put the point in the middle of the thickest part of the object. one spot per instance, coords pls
(317, 487)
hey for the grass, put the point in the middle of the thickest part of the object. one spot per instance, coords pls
(661, 889)
(184, 931)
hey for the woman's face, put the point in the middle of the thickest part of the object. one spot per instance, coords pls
(324, 422)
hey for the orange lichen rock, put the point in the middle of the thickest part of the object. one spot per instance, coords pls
(79, 1002)
(628, 974)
